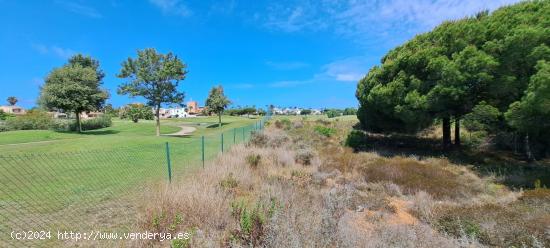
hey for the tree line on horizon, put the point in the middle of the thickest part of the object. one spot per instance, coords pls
(490, 72)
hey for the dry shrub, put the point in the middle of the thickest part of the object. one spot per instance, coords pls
(297, 124)
(283, 123)
(253, 160)
(521, 223)
(258, 139)
(341, 158)
(304, 156)
(423, 206)
(271, 139)
(435, 177)
(347, 200)
(277, 138)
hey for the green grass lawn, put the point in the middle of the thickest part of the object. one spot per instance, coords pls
(56, 180)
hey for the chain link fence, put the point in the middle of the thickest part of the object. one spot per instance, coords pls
(95, 189)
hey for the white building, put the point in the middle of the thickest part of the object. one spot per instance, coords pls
(316, 112)
(277, 111)
(179, 112)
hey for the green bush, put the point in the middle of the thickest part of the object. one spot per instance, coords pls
(229, 182)
(4, 116)
(283, 123)
(253, 160)
(459, 227)
(95, 123)
(252, 222)
(33, 120)
(357, 140)
(3, 127)
(325, 131)
(135, 112)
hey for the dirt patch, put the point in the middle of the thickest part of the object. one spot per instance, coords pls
(185, 130)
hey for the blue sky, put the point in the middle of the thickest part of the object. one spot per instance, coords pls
(307, 53)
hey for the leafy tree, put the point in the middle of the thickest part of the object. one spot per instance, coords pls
(531, 114)
(332, 113)
(155, 77)
(109, 110)
(217, 102)
(135, 112)
(87, 61)
(483, 117)
(350, 111)
(4, 116)
(74, 88)
(448, 72)
(12, 100)
(305, 112)
(248, 111)
(261, 111)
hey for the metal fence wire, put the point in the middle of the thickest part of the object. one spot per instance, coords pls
(94, 190)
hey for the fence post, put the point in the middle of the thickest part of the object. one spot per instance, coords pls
(234, 135)
(168, 160)
(202, 144)
(222, 142)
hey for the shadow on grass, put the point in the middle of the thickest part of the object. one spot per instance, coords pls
(217, 125)
(92, 132)
(510, 168)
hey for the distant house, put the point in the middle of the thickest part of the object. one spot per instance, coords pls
(316, 112)
(277, 111)
(193, 107)
(90, 115)
(58, 115)
(16, 110)
(163, 113)
(179, 112)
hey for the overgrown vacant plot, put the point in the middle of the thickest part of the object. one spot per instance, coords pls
(294, 186)
(70, 181)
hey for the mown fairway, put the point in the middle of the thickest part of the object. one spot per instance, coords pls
(52, 180)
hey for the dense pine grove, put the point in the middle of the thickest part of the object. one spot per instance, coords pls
(489, 72)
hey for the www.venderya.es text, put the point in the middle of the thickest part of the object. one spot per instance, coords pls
(97, 235)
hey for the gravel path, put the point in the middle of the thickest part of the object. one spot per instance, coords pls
(185, 130)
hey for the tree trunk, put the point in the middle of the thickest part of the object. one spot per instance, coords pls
(528, 149)
(446, 133)
(457, 132)
(78, 122)
(220, 119)
(157, 115)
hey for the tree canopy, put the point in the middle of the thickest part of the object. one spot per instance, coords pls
(155, 77)
(75, 87)
(487, 62)
(217, 102)
(12, 100)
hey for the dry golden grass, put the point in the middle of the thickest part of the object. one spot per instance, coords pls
(265, 194)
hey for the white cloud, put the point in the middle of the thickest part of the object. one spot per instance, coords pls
(347, 70)
(292, 18)
(41, 48)
(37, 81)
(379, 18)
(241, 86)
(60, 52)
(288, 65)
(80, 8)
(172, 7)
(290, 83)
